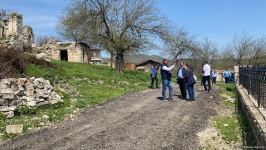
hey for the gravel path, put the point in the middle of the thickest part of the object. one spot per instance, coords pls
(134, 121)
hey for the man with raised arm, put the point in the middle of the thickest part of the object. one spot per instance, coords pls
(166, 79)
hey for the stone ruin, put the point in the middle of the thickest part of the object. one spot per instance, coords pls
(13, 34)
(33, 92)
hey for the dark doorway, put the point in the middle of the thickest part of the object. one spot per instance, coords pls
(63, 55)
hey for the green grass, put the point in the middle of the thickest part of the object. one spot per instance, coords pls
(227, 91)
(89, 85)
(230, 133)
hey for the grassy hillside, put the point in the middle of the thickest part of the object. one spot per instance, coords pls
(94, 83)
(80, 85)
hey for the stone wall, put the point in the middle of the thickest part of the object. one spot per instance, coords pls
(33, 92)
(14, 25)
(15, 34)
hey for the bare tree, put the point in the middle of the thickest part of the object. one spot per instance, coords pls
(178, 43)
(207, 50)
(246, 49)
(120, 25)
(258, 51)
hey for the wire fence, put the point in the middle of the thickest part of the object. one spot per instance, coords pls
(253, 79)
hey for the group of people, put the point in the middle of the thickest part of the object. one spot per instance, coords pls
(185, 78)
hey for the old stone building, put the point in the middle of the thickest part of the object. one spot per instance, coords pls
(13, 34)
(72, 52)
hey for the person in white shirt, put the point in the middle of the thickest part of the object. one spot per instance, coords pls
(166, 79)
(214, 77)
(207, 76)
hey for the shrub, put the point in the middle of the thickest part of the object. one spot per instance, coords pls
(25, 110)
(13, 63)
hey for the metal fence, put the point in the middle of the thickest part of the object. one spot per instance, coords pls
(253, 79)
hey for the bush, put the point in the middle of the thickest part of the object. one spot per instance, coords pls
(25, 110)
(13, 63)
(2, 116)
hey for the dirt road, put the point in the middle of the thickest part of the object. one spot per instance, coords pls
(134, 121)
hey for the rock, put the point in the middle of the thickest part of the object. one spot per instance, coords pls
(22, 81)
(4, 86)
(42, 124)
(47, 82)
(8, 93)
(5, 81)
(32, 79)
(6, 108)
(211, 97)
(42, 56)
(53, 101)
(3, 102)
(31, 103)
(226, 125)
(35, 83)
(20, 91)
(9, 114)
(14, 129)
(42, 103)
(46, 118)
(31, 98)
(30, 92)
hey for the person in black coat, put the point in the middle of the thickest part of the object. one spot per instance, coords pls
(181, 80)
(190, 81)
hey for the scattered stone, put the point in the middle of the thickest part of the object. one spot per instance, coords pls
(42, 124)
(3, 102)
(31, 103)
(9, 114)
(45, 117)
(33, 92)
(14, 129)
(22, 81)
(211, 97)
(226, 125)
(8, 93)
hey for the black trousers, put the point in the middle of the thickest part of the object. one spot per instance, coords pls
(207, 79)
(183, 88)
(226, 80)
(156, 82)
(213, 80)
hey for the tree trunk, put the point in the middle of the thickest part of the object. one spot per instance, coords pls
(112, 60)
(119, 60)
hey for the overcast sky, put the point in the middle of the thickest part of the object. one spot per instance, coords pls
(219, 20)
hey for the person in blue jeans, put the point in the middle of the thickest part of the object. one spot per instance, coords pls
(190, 81)
(153, 74)
(166, 79)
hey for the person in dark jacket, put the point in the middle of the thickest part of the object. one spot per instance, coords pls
(190, 81)
(181, 80)
(166, 79)
(153, 72)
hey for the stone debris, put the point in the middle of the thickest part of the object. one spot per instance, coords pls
(33, 92)
(232, 100)
(43, 56)
(226, 125)
(14, 129)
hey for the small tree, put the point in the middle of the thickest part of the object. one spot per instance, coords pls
(116, 25)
